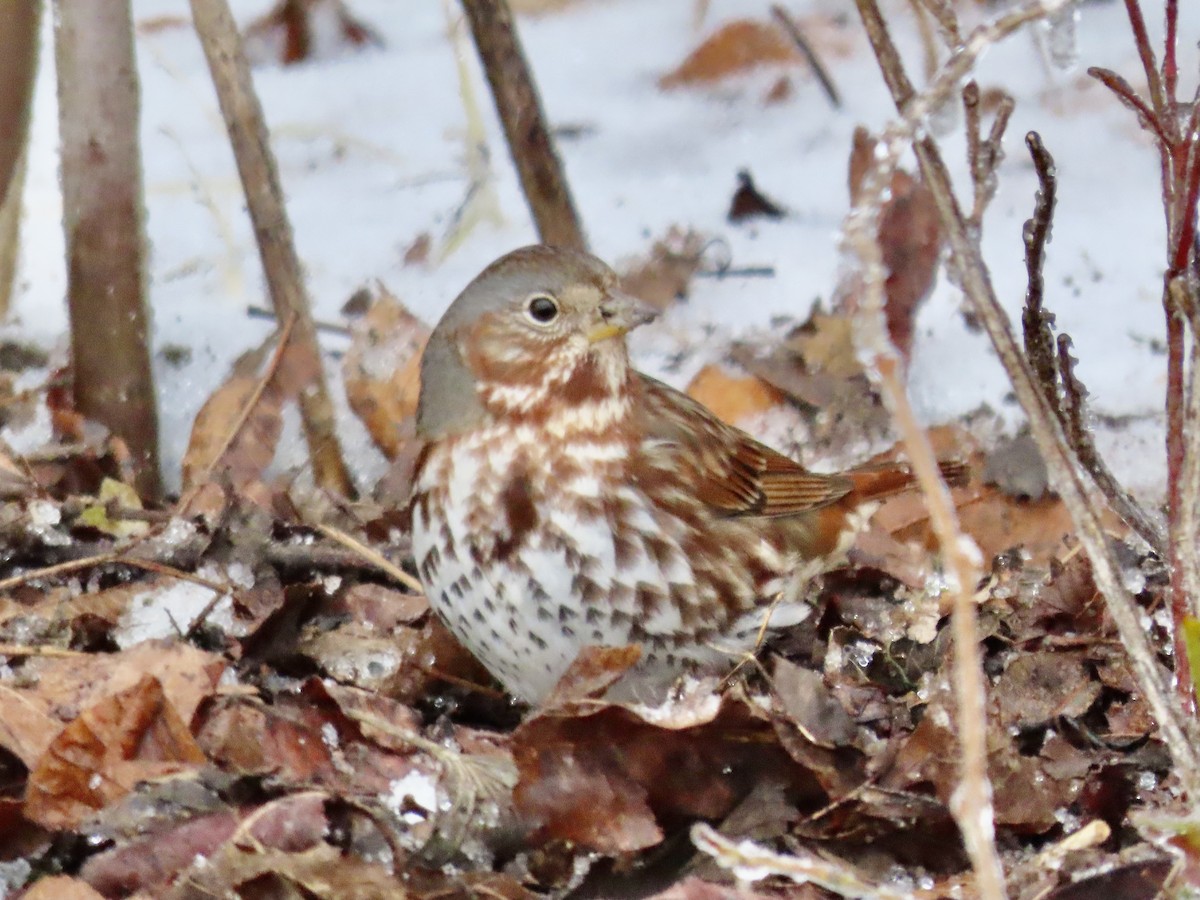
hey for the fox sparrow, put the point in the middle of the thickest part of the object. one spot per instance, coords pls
(562, 499)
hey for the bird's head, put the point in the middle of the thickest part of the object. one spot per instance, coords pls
(540, 324)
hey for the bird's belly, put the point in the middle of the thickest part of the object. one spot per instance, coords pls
(590, 560)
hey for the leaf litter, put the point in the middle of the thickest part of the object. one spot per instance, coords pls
(297, 723)
(307, 725)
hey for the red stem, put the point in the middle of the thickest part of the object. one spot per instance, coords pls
(1170, 68)
(1141, 37)
(1124, 91)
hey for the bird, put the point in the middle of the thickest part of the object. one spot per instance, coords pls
(562, 499)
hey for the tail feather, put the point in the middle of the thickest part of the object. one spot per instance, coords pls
(881, 480)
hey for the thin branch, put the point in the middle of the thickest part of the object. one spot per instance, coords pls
(1081, 500)
(1158, 96)
(372, 556)
(260, 387)
(520, 109)
(971, 803)
(104, 227)
(1189, 489)
(793, 29)
(984, 156)
(947, 19)
(1037, 322)
(839, 878)
(301, 367)
(1074, 419)
(1170, 67)
(1126, 94)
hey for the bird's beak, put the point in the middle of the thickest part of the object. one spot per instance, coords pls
(621, 313)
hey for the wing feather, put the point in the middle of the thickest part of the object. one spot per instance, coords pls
(724, 467)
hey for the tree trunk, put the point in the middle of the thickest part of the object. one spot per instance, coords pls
(18, 71)
(103, 224)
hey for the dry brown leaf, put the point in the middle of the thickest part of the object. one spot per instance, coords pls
(665, 274)
(382, 370)
(910, 238)
(323, 872)
(148, 863)
(736, 47)
(417, 253)
(297, 30)
(811, 706)
(1039, 686)
(245, 440)
(247, 737)
(61, 887)
(125, 738)
(54, 691)
(592, 672)
(826, 344)
(610, 795)
(733, 398)
(749, 202)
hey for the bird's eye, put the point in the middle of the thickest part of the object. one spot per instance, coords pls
(542, 309)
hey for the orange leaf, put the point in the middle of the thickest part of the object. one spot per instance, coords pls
(734, 398)
(736, 47)
(382, 370)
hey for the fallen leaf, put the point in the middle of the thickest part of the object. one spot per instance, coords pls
(238, 427)
(1039, 686)
(294, 31)
(99, 757)
(55, 691)
(665, 274)
(733, 398)
(811, 706)
(736, 47)
(610, 795)
(61, 887)
(749, 203)
(910, 239)
(382, 370)
(291, 823)
(97, 516)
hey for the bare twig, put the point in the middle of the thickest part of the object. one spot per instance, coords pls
(984, 156)
(806, 49)
(947, 19)
(1179, 160)
(1080, 499)
(1189, 491)
(1074, 420)
(1127, 95)
(972, 802)
(261, 312)
(62, 568)
(19, 39)
(301, 367)
(972, 806)
(520, 109)
(1037, 322)
(759, 862)
(374, 557)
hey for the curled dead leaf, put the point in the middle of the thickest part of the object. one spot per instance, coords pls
(382, 370)
(124, 738)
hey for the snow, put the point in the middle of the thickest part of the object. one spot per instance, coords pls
(372, 154)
